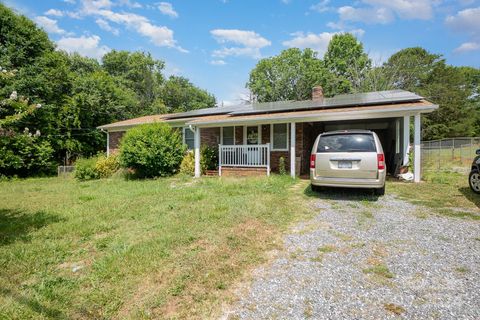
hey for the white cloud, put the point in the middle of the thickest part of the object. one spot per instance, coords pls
(49, 25)
(167, 9)
(69, 1)
(87, 46)
(218, 62)
(322, 6)
(318, 42)
(467, 47)
(407, 9)
(250, 42)
(385, 11)
(159, 35)
(242, 37)
(130, 4)
(370, 15)
(466, 22)
(104, 25)
(54, 12)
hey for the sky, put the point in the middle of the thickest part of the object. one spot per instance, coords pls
(215, 43)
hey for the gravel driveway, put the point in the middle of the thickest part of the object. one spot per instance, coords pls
(369, 259)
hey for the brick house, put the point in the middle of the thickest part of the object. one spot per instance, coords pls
(252, 138)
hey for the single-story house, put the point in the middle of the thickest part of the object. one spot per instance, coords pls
(251, 138)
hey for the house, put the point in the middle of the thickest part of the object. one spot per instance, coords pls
(252, 138)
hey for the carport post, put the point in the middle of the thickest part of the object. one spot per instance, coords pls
(292, 149)
(417, 150)
(197, 151)
(406, 139)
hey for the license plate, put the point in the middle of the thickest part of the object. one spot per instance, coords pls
(345, 164)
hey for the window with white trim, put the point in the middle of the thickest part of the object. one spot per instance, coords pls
(189, 138)
(228, 136)
(279, 136)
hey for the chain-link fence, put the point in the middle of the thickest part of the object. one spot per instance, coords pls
(454, 154)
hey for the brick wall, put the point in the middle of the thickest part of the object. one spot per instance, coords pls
(114, 140)
(210, 136)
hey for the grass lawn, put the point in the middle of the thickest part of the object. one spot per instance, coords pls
(446, 192)
(169, 248)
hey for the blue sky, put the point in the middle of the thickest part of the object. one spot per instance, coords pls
(215, 43)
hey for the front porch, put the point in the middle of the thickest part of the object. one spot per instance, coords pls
(247, 149)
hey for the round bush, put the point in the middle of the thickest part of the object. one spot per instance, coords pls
(152, 150)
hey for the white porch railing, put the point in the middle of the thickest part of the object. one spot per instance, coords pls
(253, 156)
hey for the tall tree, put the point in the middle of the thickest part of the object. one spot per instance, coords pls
(346, 60)
(289, 76)
(179, 94)
(139, 72)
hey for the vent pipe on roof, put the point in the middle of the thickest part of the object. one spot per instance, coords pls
(317, 93)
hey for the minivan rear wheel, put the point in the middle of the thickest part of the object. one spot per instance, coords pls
(380, 191)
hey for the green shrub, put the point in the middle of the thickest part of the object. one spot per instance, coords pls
(209, 158)
(187, 166)
(281, 166)
(25, 154)
(208, 161)
(85, 169)
(152, 150)
(107, 166)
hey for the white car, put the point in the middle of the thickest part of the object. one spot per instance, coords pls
(348, 159)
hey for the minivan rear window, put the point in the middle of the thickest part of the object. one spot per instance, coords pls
(351, 142)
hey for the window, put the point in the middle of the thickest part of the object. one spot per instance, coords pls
(228, 136)
(189, 138)
(279, 136)
(358, 142)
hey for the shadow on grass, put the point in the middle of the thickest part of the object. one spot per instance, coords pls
(17, 225)
(470, 195)
(327, 193)
(33, 305)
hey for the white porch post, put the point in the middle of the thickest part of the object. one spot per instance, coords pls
(406, 139)
(108, 143)
(292, 149)
(197, 152)
(416, 160)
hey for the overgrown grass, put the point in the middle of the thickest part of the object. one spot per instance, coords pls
(446, 192)
(166, 248)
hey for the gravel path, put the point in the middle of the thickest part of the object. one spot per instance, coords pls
(366, 259)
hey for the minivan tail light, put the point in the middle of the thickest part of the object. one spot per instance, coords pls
(312, 161)
(381, 161)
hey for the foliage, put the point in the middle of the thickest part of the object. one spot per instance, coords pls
(66, 96)
(107, 166)
(347, 62)
(209, 158)
(187, 167)
(152, 150)
(289, 76)
(21, 154)
(208, 161)
(179, 94)
(85, 169)
(281, 166)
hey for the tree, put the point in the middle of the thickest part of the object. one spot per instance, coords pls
(179, 94)
(289, 76)
(139, 72)
(409, 68)
(347, 62)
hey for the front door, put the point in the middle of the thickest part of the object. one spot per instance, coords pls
(252, 138)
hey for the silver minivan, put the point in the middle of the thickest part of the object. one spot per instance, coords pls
(349, 159)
